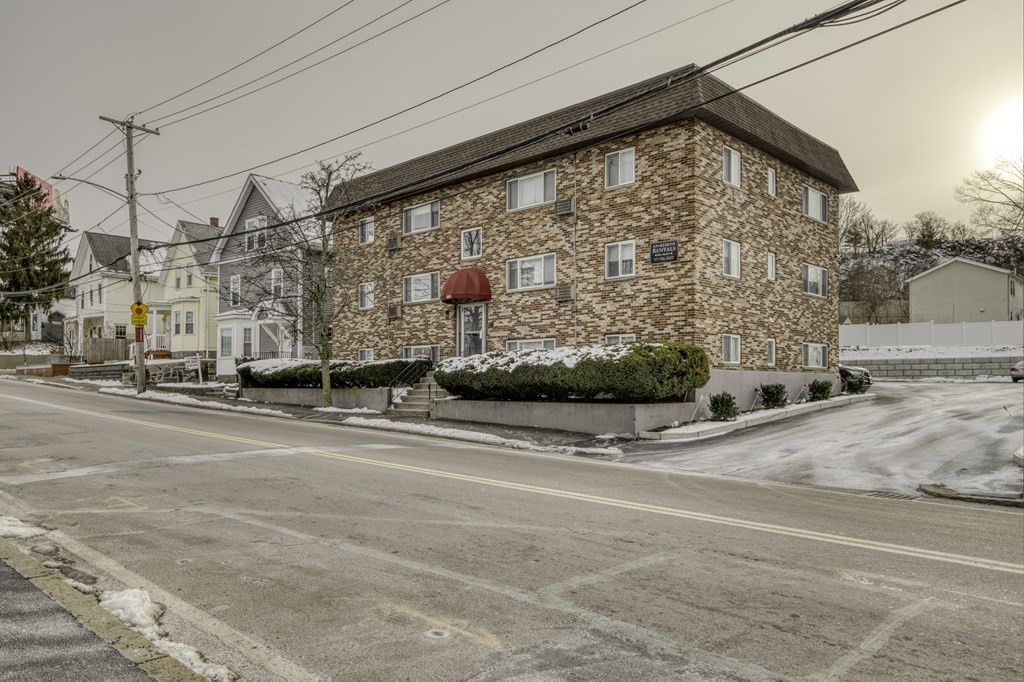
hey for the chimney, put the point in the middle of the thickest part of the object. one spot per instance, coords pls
(215, 222)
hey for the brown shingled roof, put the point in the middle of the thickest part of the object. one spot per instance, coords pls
(673, 96)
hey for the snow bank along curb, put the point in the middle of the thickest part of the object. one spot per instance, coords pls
(940, 490)
(1018, 457)
(87, 610)
(709, 428)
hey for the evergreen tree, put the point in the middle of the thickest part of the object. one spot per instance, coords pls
(32, 255)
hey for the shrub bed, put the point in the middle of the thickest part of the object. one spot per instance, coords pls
(819, 390)
(774, 395)
(289, 373)
(723, 407)
(637, 372)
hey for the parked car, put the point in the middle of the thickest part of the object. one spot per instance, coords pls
(847, 371)
(1017, 371)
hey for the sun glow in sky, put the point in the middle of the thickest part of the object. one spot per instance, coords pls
(1003, 136)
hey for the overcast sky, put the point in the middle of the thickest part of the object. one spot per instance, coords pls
(912, 112)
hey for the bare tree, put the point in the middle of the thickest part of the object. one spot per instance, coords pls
(301, 278)
(927, 229)
(859, 230)
(996, 198)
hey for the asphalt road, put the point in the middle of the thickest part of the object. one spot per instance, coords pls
(292, 550)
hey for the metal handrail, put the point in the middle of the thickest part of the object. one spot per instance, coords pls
(407, 377)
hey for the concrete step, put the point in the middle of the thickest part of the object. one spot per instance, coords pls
(403, 410)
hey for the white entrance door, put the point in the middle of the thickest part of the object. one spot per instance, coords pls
(472, 326)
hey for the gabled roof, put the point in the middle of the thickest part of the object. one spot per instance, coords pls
(279, 194)
(201, 250)
(663, 99)
(112, 253)
(966, 261)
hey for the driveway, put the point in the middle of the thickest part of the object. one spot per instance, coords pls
(959, 434)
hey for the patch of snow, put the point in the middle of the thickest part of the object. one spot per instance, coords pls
(346, 410)
(94, 382)
(473, 436)
(854, 353)
(82, 587)
(151, 261)
(34, 348)
(509, 360)
(211, 384)
(134, 608)
(189, 401)
(13, 528)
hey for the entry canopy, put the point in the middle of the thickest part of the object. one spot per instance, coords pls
(466, 286)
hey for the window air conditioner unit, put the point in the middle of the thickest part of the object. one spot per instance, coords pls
(394, 243)
(565, 292)
(565, 206)
(394, 312)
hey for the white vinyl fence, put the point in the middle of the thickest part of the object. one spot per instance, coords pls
(995, 333)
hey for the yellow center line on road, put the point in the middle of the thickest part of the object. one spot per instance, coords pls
(860, 543)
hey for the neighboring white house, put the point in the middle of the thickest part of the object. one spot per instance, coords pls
(961, 290)
(189, 285)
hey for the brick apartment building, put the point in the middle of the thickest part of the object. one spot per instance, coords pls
(672, 209)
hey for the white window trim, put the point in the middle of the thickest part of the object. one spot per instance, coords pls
(542, 173)
(235, 291)
(804, 279)
(436, 274)
(739, 348)
(739, 251)
(259, 239)
(726, 151)
(462, 243)
(226, 333)
(518, 342)
(372, 221)
(631, 242)
(619, 338)
(365, 355)
(619, 153)
(435, 350)
(804, 356)
(176, 325)
(177, 277)
(808, 192)
(772, 272)
(190, 315)
(407, 209)
(554, 269)
(188, 275)
(770, 352)
(252, 343)
(277, 282)
(773, 181)
(370, 295)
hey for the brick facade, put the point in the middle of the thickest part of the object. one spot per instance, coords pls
(678, 195)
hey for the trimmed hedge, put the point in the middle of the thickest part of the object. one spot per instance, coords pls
(854, 386)
(344, 374)
(820, 389)
(774, 395)
(723, 407)
(642, 372)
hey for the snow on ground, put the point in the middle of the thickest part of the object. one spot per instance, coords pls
(179, 399)
(509, 360)
(93, 382)
(346, 410)
(208, 384)
(13, 528)
(34, 348)
(134, 608)
(473, 436)
(852, 353)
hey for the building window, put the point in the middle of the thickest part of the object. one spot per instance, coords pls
(771, 182)
(120, 331)
(618, 168)
(90, 262)
(190, 322)
(432, 353)
(90, 297)
(730, 258)
(177, 322)
(815, 204)
(530, 344)
(277, 282)
(246, 342)
(423, 217)
(255, 233)
(770, 353)
(366, 228)
(771, 266)
(815, 280)
(815, 355)
(236, 290)
(619, 338)
(619, 259)
(472, 243)
(420, 288)
(35, 321)
(226, 345)
(731, 166)
(365, 295)
(730, 349)
(177, 277)
(1013, 288)
(188, 275)
(99, 293)
(83, 299)
(533, 272)
(365, 355)
(531, 190)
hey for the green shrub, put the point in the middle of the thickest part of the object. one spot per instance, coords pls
(774, 395)
(820, 389)
(854, 386)
(723, 407)
(344, 374)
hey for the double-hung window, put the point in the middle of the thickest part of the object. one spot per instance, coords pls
(730, 258)
(533, 272)
(815, 204)
(619, 168)
(188, 275)
(432, 353)
(423, 217)
(366, 295)
(619, 259)
(235, 290)
(619, 338)
(255, 233)
(177, 322)
(247, 342)
(91, 301)
(815, 280)
(815, 355)
(730, 349)
(531, 190)
(277, 282)
(120, 331)
(365, 354)
(731, 161)
(190, 322)
(530, 344)
(366, 229)
(177, 277)
(99, 294)
(472, 243)
(420, 288)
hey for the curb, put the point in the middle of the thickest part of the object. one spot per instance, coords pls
(88, 611)
(1018, 457)
(941, 491)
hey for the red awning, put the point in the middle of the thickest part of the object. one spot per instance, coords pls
(465, 286)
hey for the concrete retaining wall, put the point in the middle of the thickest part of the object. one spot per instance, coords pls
(373, 398)
(952, 368)
(595, 418)
(742, 384)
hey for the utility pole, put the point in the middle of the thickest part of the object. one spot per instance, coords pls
(129, 127)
